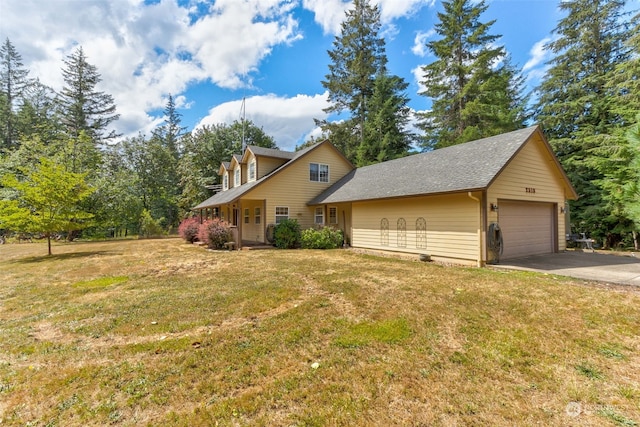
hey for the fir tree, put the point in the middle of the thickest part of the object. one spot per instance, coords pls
(576, 111)
(83, 107)
(14, 81)
(474, 89)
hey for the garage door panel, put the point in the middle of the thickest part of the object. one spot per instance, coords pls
(527, 228)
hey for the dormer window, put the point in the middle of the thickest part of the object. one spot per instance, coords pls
(318, 172)
(225, 181)
(236, 177)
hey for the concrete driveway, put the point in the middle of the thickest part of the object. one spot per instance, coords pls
(600, 267)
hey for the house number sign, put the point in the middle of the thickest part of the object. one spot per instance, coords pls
(530, 190)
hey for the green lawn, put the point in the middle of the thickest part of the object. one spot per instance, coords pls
(158, 332)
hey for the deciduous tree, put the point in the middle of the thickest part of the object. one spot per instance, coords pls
(47, 202)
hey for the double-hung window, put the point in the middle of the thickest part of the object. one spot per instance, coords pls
(319, 216)
(318, 172)
(256, 215)
(252, 170)
(333, 215)
(246, 216)
(225, 181)
(236, 179)
(282, 213)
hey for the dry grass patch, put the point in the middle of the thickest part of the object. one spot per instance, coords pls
(162, 333)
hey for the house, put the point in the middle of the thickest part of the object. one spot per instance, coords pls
(264, 186)
(495, 198)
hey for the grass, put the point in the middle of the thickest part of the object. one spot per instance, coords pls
(158, 332)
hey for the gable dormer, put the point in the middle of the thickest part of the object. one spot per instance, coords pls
(235, 170)
(224, 173)
(262, 161)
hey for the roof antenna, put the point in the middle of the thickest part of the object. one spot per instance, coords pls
(243, 112)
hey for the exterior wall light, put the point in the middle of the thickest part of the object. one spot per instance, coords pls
(494, 207)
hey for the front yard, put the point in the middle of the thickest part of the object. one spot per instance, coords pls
(159, 332)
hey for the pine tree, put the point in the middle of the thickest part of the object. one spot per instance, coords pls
(171, 131)
(474, 89)
(83, 107)
(576, 111)
(357, 57)
(14, 81)
(385, 134)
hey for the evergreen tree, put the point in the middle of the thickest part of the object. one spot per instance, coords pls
(385, 134)
(576, 110)
(14, 81)
(357, 57)
(474, 89)
(38, 114)
(171, 131)
(83, 107)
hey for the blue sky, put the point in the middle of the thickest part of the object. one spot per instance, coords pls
(211, 54)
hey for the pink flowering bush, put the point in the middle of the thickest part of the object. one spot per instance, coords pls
(188, 229)
(215, 233)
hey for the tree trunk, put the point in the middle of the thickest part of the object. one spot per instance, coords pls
(49, 242)
(635, 240)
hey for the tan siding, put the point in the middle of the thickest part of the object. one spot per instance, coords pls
(252, 231)
(452, 225)
(291, 187)
(266, 165)
(534, 168)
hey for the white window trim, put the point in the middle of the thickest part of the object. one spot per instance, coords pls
(237, 177)
(225, 181)
(335, 222)
(281, 215)
(319, 174)
(318, 214)
(247, 215)
(252, 170)
(257, 214)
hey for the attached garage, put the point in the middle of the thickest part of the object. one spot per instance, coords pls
(447, 203)
(528, 228)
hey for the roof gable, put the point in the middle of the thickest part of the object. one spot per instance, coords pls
(464, 167)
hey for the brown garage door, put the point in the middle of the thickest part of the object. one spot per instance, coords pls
(528, 228)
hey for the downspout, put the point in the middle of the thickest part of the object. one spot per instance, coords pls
(481, 230)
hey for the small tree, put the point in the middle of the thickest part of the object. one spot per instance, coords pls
(48, 201)
(149, 226)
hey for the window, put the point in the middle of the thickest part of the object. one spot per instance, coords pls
(246, 216)
(318, 172)
(319, 216)
(225, 181)
(333, 215)
(252, 170)
(256, 215)
(282, 213)
(236, 179)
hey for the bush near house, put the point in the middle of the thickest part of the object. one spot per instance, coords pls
(215, 233)
(188, 229)
(323, 238)
(287, 234)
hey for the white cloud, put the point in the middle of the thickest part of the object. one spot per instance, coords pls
(418, 76)
(289, 120)
(419, 47)
(538, 54)
(329, 14)
(144, 52)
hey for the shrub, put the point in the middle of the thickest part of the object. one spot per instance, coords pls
(287, 234)
(150, 227)
(324, 238)
(215, 233)
(188, 229)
